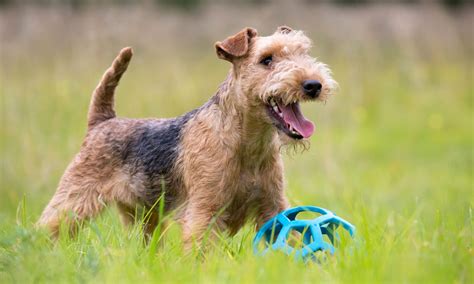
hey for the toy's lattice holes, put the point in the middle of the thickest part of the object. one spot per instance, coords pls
(296, 237)
(270, 236)
(327, 239)
(307, 215)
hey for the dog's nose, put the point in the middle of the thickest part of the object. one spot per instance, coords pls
(312, 88)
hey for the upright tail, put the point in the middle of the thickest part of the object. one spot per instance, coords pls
(102, 104)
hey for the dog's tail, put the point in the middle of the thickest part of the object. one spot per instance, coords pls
(102, 104)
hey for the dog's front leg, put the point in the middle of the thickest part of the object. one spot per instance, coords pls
(201, 222)
(273, 199)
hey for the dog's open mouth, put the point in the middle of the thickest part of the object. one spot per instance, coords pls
(289, 119)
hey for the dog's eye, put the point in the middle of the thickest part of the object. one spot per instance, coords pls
(266, 60)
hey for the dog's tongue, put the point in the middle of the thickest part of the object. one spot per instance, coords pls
(293, 116)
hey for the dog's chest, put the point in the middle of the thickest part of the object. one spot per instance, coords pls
(248, 187)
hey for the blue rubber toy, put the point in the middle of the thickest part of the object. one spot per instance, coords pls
(277, 229)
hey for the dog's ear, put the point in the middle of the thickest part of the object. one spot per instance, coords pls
(284, 30)
(235, 46)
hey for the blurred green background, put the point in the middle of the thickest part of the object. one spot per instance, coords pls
(392, 153)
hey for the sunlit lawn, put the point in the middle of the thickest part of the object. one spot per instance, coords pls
(392, 154)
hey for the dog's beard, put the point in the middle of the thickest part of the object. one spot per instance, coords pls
(291, 146)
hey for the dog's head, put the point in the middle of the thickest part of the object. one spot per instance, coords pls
(275, 73)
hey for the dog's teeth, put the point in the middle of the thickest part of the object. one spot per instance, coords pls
(293, 131)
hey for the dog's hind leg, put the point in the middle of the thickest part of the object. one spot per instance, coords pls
(72, 205)
(75, 200)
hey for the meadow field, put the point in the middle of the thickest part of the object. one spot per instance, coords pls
(392, 153)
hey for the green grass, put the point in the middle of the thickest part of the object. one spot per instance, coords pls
(392, 154)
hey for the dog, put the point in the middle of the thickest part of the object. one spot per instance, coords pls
(219, 164)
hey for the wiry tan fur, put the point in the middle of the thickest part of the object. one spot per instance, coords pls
(228, 167)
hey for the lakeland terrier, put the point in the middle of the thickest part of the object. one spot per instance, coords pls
(219, 164)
